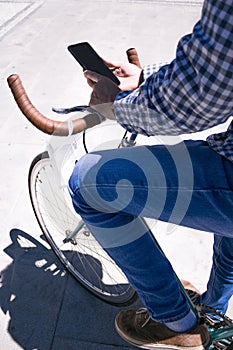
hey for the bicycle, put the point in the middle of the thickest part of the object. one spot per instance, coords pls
(64, 230)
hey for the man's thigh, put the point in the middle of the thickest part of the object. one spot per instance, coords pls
(186, 184)
(203, 196)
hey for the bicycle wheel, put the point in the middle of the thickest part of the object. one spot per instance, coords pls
(82, 256)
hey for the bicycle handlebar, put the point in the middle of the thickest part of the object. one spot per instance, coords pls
(50, 126)
(133, 57)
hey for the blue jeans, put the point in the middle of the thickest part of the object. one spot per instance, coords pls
(186, 184)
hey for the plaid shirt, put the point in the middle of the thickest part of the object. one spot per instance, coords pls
(192, 93)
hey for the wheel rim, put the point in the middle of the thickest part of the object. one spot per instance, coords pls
(83, 256)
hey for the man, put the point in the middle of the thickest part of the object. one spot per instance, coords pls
(189, 183)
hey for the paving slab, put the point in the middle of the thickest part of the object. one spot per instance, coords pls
(42, 307)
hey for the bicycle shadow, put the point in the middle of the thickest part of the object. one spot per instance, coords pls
(49, 309)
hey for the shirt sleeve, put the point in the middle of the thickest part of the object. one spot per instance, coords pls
(152, 68)
(194, 91)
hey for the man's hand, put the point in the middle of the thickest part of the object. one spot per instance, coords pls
(128, 74)
(103, 94)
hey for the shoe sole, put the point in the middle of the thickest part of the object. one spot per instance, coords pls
(161, 346)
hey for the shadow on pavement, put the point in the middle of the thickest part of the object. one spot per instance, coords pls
(49, 309)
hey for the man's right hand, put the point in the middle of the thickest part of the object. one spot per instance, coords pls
(128, 74)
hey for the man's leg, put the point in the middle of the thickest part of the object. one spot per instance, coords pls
(169, 191)
(110, 190)
(220, 285)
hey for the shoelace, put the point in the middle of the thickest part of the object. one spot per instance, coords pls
(143, 316)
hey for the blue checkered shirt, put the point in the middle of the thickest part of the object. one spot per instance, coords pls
(192, 93)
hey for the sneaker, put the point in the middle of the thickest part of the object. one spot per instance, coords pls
(137, 328)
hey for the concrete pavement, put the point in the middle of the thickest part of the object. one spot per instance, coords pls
(41, 309)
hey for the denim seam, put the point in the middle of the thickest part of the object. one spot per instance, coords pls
(103, 186)
(214, 278)
(81, 186)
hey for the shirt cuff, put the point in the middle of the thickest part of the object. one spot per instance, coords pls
(152, 68)
(123, 106)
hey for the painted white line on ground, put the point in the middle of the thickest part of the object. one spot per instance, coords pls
(13, 13)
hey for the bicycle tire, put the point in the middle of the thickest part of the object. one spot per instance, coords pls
(83, 257)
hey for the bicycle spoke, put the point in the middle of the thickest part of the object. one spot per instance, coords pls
(82, 255)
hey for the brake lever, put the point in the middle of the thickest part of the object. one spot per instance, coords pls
(70, 109)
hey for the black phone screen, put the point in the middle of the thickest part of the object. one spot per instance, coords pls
(90, 60)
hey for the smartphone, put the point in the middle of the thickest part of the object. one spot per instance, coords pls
(90, 60)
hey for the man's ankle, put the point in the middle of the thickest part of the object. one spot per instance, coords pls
(184, 324)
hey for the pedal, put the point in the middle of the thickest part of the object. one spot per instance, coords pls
(217, 322)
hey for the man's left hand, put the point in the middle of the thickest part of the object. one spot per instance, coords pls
(103, 94)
